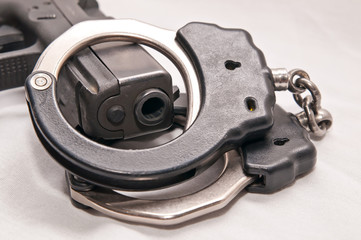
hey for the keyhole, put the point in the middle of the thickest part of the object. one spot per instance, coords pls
(251, 104)
(231, 65)
(280, 141)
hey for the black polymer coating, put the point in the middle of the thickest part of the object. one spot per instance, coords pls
(289, 152)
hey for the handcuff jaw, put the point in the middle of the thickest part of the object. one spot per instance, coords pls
(170, 211)
(236, 103)
(289, 151)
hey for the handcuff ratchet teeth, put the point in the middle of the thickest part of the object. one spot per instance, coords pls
(229, 120)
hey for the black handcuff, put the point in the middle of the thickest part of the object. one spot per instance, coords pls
(234, 136)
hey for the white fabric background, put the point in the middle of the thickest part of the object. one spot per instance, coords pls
(323, 37)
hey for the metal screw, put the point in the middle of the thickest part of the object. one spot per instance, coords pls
(40, 81)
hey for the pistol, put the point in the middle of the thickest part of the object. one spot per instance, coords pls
(108, 91)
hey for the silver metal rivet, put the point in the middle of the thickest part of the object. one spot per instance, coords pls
(40, 81)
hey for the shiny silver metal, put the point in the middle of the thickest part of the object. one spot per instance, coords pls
(171, 211)
(318, 131)
(323, 120)
(193, 185)
(89, 33)
(280, 78)
(312, 88)
(314, 118)
(40, 81)
(291, 85)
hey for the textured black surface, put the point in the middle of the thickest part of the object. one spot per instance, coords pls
(285, 153)
(223, 123)
(40, 22)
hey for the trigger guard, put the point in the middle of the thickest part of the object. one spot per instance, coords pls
(224, 120)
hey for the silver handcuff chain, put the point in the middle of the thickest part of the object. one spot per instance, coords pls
(313, 118)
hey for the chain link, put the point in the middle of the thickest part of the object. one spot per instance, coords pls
(313, 117)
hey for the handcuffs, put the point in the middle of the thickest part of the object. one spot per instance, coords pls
(234, 136)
